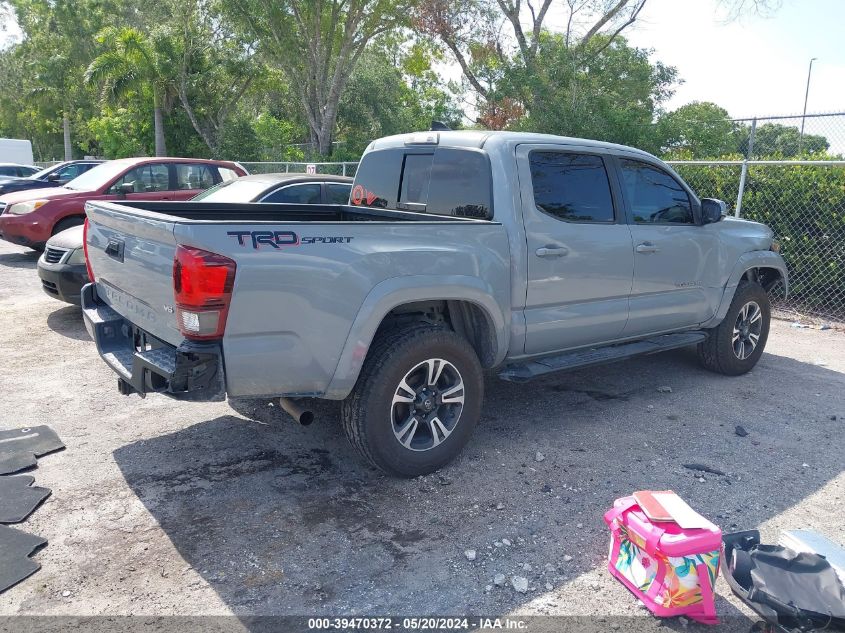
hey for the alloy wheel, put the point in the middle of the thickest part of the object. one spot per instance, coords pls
(427, 404)
(747, 330)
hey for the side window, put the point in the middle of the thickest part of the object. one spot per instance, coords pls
(654, 196)
(298, 194)
(9, 171)
(227, 174)
(72, 171)
(193, 176)
(571, 187)
(337, 193)
(145, 179)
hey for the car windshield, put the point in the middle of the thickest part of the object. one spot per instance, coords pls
(234, 191)
(97, 176)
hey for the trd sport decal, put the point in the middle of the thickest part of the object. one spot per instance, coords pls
(280, 239)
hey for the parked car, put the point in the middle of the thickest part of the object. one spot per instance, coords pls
(62, 265)
(13, 170)
(291, 188)
(54, 176)
(460, 251)
(31, 217)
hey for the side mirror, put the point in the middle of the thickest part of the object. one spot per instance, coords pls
(712, 210)
(125, 188)
(54, 177)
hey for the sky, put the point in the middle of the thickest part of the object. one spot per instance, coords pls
(753, 66)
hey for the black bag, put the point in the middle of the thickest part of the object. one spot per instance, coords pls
(793, 592)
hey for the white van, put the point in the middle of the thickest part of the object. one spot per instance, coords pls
(14, 150)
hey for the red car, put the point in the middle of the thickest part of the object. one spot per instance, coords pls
(31, 217)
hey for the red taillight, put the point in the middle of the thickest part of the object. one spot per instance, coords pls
(202, 287)
(85, 250)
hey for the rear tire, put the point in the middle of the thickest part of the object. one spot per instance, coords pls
(417, 400)
(736, 344)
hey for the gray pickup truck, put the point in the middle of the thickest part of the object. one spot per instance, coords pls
(458, 252)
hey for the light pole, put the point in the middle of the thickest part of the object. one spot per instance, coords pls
(804, 115)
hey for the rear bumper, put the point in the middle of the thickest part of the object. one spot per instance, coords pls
(145, 364)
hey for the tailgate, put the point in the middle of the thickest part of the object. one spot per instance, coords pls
(131, 253)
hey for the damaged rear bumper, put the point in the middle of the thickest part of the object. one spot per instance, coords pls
(145, 364)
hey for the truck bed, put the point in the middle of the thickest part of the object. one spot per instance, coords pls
(308, 277)
(255, 212)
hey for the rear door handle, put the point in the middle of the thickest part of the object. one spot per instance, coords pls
(646, 247)
(552, 251)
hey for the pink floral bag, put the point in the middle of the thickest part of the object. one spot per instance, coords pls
(671, 570)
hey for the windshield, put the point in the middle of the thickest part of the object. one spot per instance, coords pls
(97, 176)
(234, 191)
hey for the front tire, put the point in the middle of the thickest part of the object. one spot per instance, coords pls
(67, 223)
(736, 344)
(416, 402)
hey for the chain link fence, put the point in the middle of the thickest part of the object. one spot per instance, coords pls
(334, 169)
(802, 198)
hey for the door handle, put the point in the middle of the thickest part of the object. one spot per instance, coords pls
(646, 247)
(551, 251)
(114, 249)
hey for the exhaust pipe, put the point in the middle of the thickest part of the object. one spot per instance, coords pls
(303, 416)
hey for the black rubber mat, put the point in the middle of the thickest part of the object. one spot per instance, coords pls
(16, 547)
(19, 448)
(18, 497)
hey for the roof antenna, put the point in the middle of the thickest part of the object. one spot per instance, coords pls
(439, 126)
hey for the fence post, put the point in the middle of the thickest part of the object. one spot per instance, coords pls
(344, 169)
(744, 172)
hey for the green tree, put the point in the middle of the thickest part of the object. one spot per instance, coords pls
(773, 140)
(57, 46)
(476, 32)
(391, 92)
(133, 63)
(316, 44)
(214, 69)
(700, 129)
(615, 97)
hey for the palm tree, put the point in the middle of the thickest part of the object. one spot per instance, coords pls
(133, 62)
(54, 88)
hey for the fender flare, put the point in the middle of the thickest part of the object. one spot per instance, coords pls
(747, 261)
(397, 291)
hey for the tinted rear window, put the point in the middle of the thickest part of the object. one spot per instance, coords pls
(377, 179)
(308, 193)
(446, 181)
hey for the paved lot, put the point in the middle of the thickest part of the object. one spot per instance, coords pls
(161, 507)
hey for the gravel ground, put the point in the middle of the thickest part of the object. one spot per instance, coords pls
(160, 507)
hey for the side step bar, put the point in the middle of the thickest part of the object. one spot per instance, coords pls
(523, 372)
